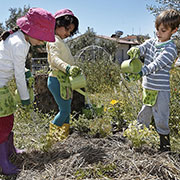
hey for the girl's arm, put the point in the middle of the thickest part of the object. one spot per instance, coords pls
(19, 56)
(55, 53)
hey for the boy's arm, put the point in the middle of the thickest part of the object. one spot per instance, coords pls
(165, 59)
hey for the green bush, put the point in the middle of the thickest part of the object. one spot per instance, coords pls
(140, 135)
(101, 75)
(175, 101)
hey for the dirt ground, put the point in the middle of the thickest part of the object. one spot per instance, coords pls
(81, 157)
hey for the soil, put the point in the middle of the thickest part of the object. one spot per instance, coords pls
(82, 157)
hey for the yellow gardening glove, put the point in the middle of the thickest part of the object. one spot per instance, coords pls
(134, 52)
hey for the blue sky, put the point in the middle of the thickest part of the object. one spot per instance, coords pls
(104, 16)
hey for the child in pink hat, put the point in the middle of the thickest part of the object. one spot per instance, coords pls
(62, 66)
(33, 29)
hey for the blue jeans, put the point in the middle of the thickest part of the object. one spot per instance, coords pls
(64, 106)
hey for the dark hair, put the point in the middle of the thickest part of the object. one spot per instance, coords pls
(5, 34)
(169, 18)
(65, 21)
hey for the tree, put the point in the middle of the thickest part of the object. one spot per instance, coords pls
(163, 4)
(82, 41)
(167, 4)
(88, 39)
(2, 28)
(14, 15)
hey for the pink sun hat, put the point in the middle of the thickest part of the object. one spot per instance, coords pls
(63, 12)
(38, 23)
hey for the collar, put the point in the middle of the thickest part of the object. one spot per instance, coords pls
(160, 44)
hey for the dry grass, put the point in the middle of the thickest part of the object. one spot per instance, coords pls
(80, 157)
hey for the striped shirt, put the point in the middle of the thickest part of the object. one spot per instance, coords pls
(158, 60)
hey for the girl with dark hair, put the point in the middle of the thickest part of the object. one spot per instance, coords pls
(62, 66)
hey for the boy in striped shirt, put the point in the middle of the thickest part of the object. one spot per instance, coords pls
(159, 55)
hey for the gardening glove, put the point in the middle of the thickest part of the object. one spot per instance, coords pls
(133, 77)
(73, 70)
(134, 52)
(29, 78)
(27, 108)
(126, 76)
(26, 105)
(30, 84)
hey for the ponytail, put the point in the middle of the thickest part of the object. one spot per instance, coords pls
(5, 34)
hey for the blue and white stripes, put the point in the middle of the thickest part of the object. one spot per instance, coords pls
(158, 61)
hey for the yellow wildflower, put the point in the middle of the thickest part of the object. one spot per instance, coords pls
(113, 102)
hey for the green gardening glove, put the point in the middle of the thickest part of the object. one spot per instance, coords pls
(26, 105)
(73, 70)
(25, 102)
(134, 52)
(30, 84)
(27, 108)
(130, 77)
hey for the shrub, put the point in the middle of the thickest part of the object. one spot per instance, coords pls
(101, 75)
(175, 101)
(139, 134)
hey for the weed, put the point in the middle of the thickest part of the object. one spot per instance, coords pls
(139, 134)
(98, 171)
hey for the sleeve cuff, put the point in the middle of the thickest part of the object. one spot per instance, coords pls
(25, 102)
(68, 68)
(28, 74)
(141, 73)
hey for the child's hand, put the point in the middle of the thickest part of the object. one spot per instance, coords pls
(27, 108)
(134, 52)
(74, 71)
(25, 102)
(133, 77)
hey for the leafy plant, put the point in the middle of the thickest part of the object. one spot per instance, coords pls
(175, 101)
(81, 124)
(140, 134)
(99, 171)
(101, 75)
(116, 112)
(100, 127)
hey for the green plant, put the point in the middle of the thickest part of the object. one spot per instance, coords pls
(98, 171)
(174, 101)
(139, 134)
(101, 75)
(81, 124)
(100, 127)
(32, 126)
(115, 111)
(93, 110)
